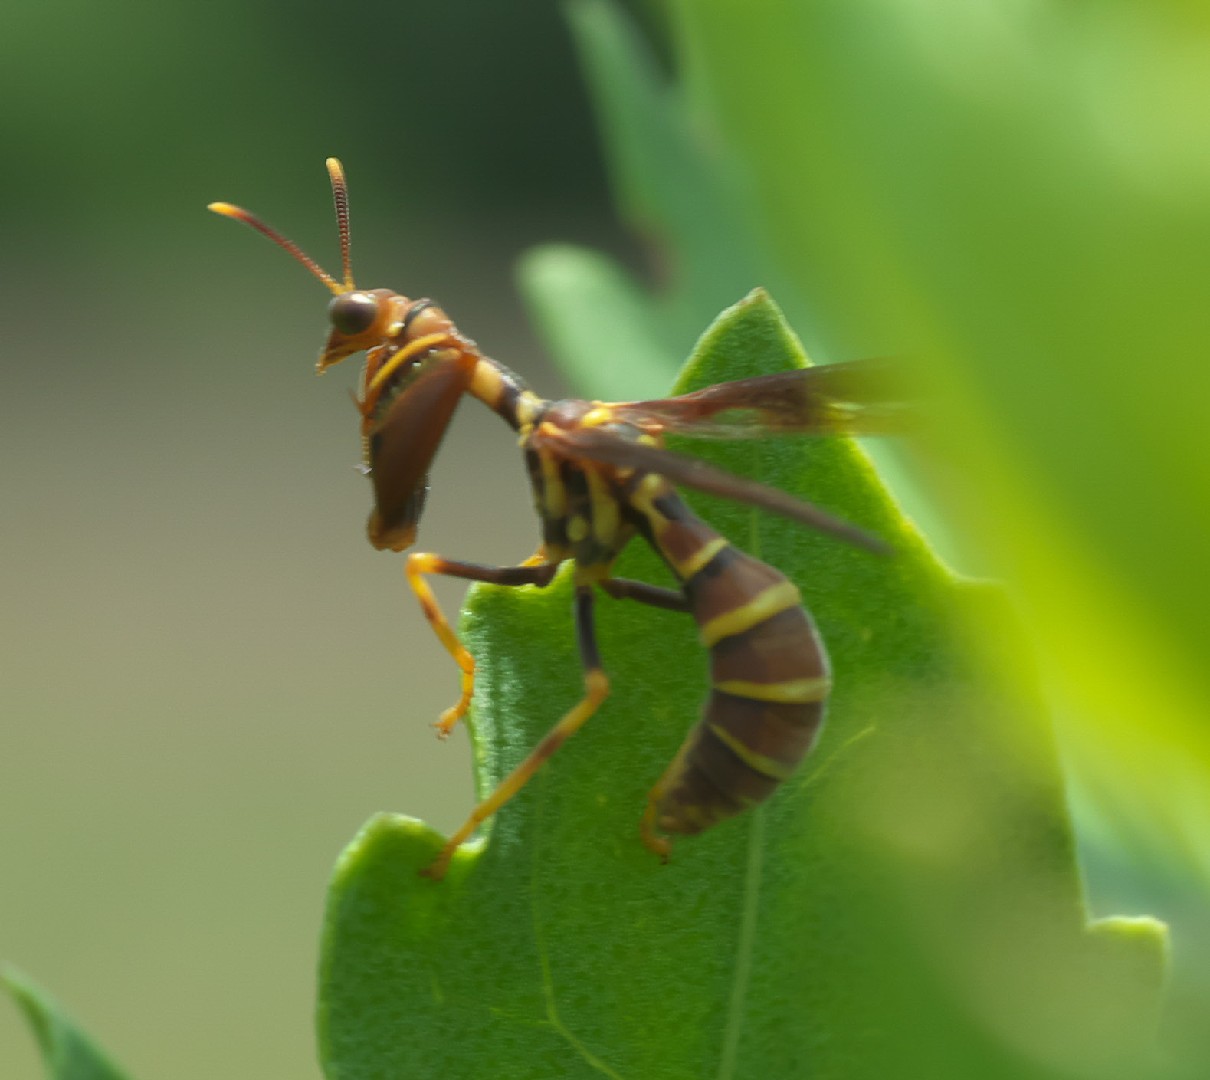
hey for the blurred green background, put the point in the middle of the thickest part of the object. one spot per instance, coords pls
(208, 678)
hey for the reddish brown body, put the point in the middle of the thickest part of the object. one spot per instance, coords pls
(600, 477)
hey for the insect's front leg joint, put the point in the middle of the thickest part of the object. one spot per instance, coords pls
(418, 564)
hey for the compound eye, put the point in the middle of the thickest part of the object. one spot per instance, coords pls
(353, 313)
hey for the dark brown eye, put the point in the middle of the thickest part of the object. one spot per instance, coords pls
(353, 313)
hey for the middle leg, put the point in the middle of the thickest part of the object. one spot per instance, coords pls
(596, 690)
(628, 589)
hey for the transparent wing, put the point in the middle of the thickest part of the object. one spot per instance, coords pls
(859, 397)
(603, 446)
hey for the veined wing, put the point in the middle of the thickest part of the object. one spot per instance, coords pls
(858, 397)
(601, 445)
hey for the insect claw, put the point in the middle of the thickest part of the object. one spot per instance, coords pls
(449, 719)
(658, 845)
(436, 870)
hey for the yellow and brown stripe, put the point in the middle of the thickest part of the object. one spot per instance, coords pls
(769, 671)
(505, 393)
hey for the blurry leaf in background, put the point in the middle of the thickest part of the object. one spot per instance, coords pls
(907, 903)
(67, 1052)
(1019, 194)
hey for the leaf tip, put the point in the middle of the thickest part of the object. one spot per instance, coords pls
(401, 846)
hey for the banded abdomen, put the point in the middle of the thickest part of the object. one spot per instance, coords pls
(769, 674)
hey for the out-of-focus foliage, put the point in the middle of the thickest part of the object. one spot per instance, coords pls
(67, 1052)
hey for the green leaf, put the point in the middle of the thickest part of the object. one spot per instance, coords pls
(69, 1053)
(906, 905)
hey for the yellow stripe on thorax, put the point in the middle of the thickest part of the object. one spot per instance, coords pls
(604, 504)
(765, 604)
(554, 494)
(649, 489)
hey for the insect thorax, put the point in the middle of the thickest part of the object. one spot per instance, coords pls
(582, 506)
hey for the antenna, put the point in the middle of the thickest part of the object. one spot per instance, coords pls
(340, 195)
